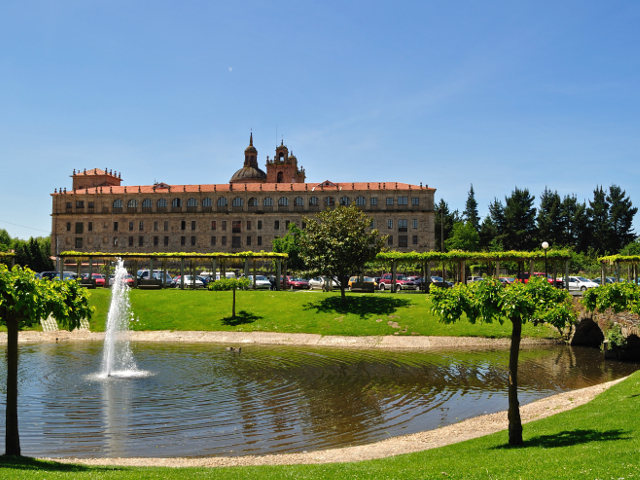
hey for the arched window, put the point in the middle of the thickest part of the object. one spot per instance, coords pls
(222, 202)
(132, 203)
(206, 202)
(298, 202)
(360, 201)
(280, 177)
(344, 201)
(283, 202)
(146, 204)
(329, 201)
(176, 203)
(117, 203)
(237, 202)
(313, 201)
(162, 203)
(192, 202)
(253, 202)
(268, 202)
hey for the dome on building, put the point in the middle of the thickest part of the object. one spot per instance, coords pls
(249, 175)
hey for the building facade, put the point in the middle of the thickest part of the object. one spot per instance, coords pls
(99, 214)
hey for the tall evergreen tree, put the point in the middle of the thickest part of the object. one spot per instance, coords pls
(5, 240)
(549, 220)
(599, 224)
(444, 220)
(492, 228)
(621, 213)
(471, 210)
(520, 221)
(575, 224)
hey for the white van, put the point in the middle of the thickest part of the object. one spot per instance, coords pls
(226, 274)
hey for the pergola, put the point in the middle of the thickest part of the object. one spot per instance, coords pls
(7, 257)
(460, 258)
(154, 259)
(616, 261)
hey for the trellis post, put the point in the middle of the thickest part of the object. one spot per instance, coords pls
(427, 277)
(393, 275)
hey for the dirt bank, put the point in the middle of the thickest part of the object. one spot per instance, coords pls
(390, 342)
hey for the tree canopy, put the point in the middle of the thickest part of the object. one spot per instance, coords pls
(487, 301)
(337, 243)
(24, 300)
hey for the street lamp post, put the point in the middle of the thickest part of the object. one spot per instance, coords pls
(545, 246)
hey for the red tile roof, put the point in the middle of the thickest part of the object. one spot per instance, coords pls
(325, 186)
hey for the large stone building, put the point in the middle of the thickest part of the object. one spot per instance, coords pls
(99, 214)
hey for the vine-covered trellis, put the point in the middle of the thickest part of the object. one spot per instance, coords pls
(617, 261)
(154, 259)
(460, 258)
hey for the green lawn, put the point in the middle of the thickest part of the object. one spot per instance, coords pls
(600, 440)
(297, 311)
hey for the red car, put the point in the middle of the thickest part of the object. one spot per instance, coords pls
(402, 282)
(295, 283)
(98, 277)
(524, 278)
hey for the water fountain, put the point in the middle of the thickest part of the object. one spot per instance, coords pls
(117, 358)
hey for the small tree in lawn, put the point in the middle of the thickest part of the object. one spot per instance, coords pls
(230, 284)
(24, 300)
(337, 243)
(536, 301)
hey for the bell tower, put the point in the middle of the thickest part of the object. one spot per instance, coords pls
(284, 167)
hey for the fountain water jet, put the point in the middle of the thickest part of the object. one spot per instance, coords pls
(117, 358)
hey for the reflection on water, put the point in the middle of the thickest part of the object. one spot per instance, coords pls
(204, 400)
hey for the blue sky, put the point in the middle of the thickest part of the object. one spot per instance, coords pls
(494, 94)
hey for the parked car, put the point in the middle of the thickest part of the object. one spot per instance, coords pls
(367, 283)
(98, 277)
(296, 283)
(262, 282)
(190, 281)
(506, 280)
(606, 280)
(440, 282)
(155, 275)
(319, 283)
(53, 275)
(474, 279)
(524, 278)
(581, 283)
(128, 278)
(402, 282)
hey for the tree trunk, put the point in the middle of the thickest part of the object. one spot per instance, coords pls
(12, 439)
(515, 423)
(233, 307)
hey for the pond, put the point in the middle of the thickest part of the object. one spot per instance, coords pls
(204, 400)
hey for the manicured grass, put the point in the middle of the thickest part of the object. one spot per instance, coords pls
(600, 440)
(297, 311)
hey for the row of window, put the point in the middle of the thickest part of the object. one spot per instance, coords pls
(236, 225)
(253, 202)
(236, 241)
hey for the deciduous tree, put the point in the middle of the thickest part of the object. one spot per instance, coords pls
(24, 300)
(487, 301)
(337, 243)
(230, 284)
